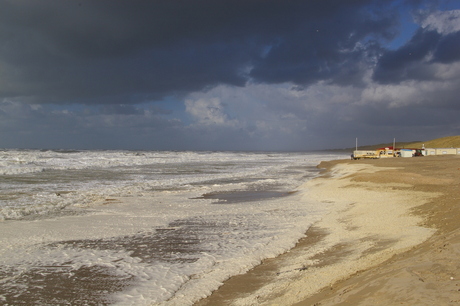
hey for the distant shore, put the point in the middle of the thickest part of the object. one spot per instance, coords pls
(393, 237)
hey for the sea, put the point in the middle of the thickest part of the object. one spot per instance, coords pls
(145, 227)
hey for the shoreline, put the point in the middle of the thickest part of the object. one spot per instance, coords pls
(414, 221)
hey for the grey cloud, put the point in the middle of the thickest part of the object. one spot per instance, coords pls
(122, 109)
(113, 127)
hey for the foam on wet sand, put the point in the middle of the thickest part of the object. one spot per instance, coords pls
(385, 210)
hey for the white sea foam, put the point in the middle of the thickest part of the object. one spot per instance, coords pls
(137, 216)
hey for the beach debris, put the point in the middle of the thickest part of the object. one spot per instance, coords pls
(416, 274)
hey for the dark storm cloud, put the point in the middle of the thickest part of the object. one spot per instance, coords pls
(326, 47)
(226, 74)
(448, 49)
(405, 63)
(414, 60)
(130, 51)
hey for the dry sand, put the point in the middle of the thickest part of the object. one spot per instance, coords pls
(393, 239)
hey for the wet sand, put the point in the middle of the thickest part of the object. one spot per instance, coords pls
(396, 240)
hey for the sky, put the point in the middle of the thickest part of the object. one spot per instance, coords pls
(251, 75)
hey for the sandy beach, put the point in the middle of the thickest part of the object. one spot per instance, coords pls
(392, 239)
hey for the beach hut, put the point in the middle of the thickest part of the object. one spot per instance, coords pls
(406, 153)
(385, 152)
(358, 154)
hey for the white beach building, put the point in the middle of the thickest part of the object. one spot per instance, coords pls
(442, 151)
(406, 152)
